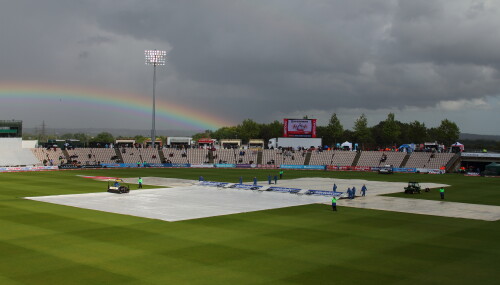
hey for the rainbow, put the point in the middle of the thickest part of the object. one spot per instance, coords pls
(112, 101)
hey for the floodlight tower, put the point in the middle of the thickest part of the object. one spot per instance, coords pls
(154, 58)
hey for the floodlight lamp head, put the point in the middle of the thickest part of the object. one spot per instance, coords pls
(155, 57)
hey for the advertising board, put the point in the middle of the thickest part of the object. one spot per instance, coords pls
(285, 166)
(404, 170)
(361, 168)
(27, 168)
(340, 168)
(246, 165)
(225, 165)
(91, 166)
(266, 166)
(118, 165)
(202, 165)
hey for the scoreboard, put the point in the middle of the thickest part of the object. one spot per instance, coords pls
(299, 128)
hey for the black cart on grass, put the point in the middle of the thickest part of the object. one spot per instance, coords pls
(114, 186)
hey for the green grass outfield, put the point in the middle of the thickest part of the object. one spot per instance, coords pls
(42, 243)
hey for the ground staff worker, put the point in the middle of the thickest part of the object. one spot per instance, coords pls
(334, 203)
(140, 182)
(441, 192)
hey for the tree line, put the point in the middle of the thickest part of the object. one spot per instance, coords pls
(389, 132)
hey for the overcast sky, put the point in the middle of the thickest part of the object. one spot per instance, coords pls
(264, 60)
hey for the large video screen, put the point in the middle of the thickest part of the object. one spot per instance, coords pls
(299, 128)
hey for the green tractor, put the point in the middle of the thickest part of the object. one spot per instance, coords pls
(413, 188)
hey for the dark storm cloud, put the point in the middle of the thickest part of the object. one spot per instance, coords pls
(251, 59)
(463, 33)
(285, 51)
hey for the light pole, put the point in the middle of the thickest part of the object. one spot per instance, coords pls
(154, 58)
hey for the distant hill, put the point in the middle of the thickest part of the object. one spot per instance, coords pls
(466, 136)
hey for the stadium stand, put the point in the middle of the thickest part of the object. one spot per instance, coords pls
(18, 158)
(149, 155)
(104, 155)
(429, 160)
(278, 156)
(225, 156)
(377, 158)
(370, 158)
(235, 156)
(269, 157)
(198, 156)
(343, 158)
(439, 160)
(12, 153)
(246, 156)
(393, 158)
(135, 155)
(321, 158)
(173, 155)
(293, 157)
(50, 156)
(82, 155)
(131, 155)
(418, 159)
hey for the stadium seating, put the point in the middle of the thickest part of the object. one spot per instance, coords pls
(290, 157)
(248, 156)
(53, 156)
(439, 160)
(418, 159)
(393, 158)
(343, 158)
(149, 155)
(174, 155)
(225, 156)
(131, 155)
(197, 156)
(269, 157)
(370, 158)
(375, 158)
(429, 160)
(82, 155)
(103, 155)
(321, 158)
